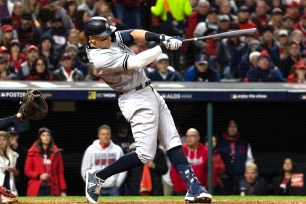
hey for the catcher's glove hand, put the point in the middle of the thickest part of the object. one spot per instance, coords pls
(33, 105)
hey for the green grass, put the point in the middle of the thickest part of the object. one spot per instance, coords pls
(169, 198)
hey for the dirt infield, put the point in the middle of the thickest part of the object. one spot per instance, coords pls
(163, 202)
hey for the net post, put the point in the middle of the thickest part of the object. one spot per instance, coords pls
(209, 140)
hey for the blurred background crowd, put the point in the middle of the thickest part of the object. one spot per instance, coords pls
(44, 39)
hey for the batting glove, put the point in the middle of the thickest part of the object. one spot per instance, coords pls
(173, 43)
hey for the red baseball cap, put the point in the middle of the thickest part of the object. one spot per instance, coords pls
(32, 47)
(6, 28)
(300, 65)
(3, 49)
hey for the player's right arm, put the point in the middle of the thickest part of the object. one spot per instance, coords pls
(118, 62)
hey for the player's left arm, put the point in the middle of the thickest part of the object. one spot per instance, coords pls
(130, 36)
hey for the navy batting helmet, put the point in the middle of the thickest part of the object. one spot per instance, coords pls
(98, 26)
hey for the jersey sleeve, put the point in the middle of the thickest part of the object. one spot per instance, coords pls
(124, 37)
(110, 62)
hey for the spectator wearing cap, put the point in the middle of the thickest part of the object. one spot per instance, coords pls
(293, 57)
(6, 8)
(229, 54)
(200, 71)
(66, 72)
(58, 33)
(228, 8)
(223, 23)
(8, 160)
(74, 39)
(73, 50)
(276, 18)
(4, 52)
(197, 16)
(266, 39)
(16, 15)
(244, 20)
(6, 35)
(236, 152)
(44, 167)
(248, 64)
(39, 71)
(16, 57)
(298, 74)
(260, 18)
(209, 47)
(27, 33)
(301, 25)
(280, 49)
(288, 23)
(264, 71)
(46, 50)
(31, 55)
(5, 71)
(163, 72)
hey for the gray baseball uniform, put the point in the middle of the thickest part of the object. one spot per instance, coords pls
(140, 104)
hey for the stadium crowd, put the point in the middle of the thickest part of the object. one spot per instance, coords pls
(44, 39)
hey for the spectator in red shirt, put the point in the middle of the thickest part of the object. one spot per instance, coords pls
(197, 16)
(298, 73)
(244, 18)
(197, 155)
(44, 167)
(16, 56)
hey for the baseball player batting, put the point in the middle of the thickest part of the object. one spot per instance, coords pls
(140, 104)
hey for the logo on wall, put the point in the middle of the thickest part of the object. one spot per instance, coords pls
(297, 180)
(92, 95)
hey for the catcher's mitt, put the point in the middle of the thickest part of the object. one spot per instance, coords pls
(33, 105)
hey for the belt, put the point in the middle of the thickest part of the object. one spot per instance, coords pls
(137, 88)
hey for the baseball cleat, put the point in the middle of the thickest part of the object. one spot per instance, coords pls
(6, 199)
(202, 196)
(93, 186)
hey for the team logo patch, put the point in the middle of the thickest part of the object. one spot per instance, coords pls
(107, 25)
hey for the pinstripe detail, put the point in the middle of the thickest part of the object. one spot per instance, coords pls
(119, 34)
(125, 62)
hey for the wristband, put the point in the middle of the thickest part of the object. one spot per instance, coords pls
(163, 47)
(149, 36)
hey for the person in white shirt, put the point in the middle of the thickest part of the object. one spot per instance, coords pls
(102, 153)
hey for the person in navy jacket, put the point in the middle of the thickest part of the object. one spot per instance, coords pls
(236, 152)
(200, 71)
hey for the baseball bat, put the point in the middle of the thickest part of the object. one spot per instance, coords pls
(229, 34)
